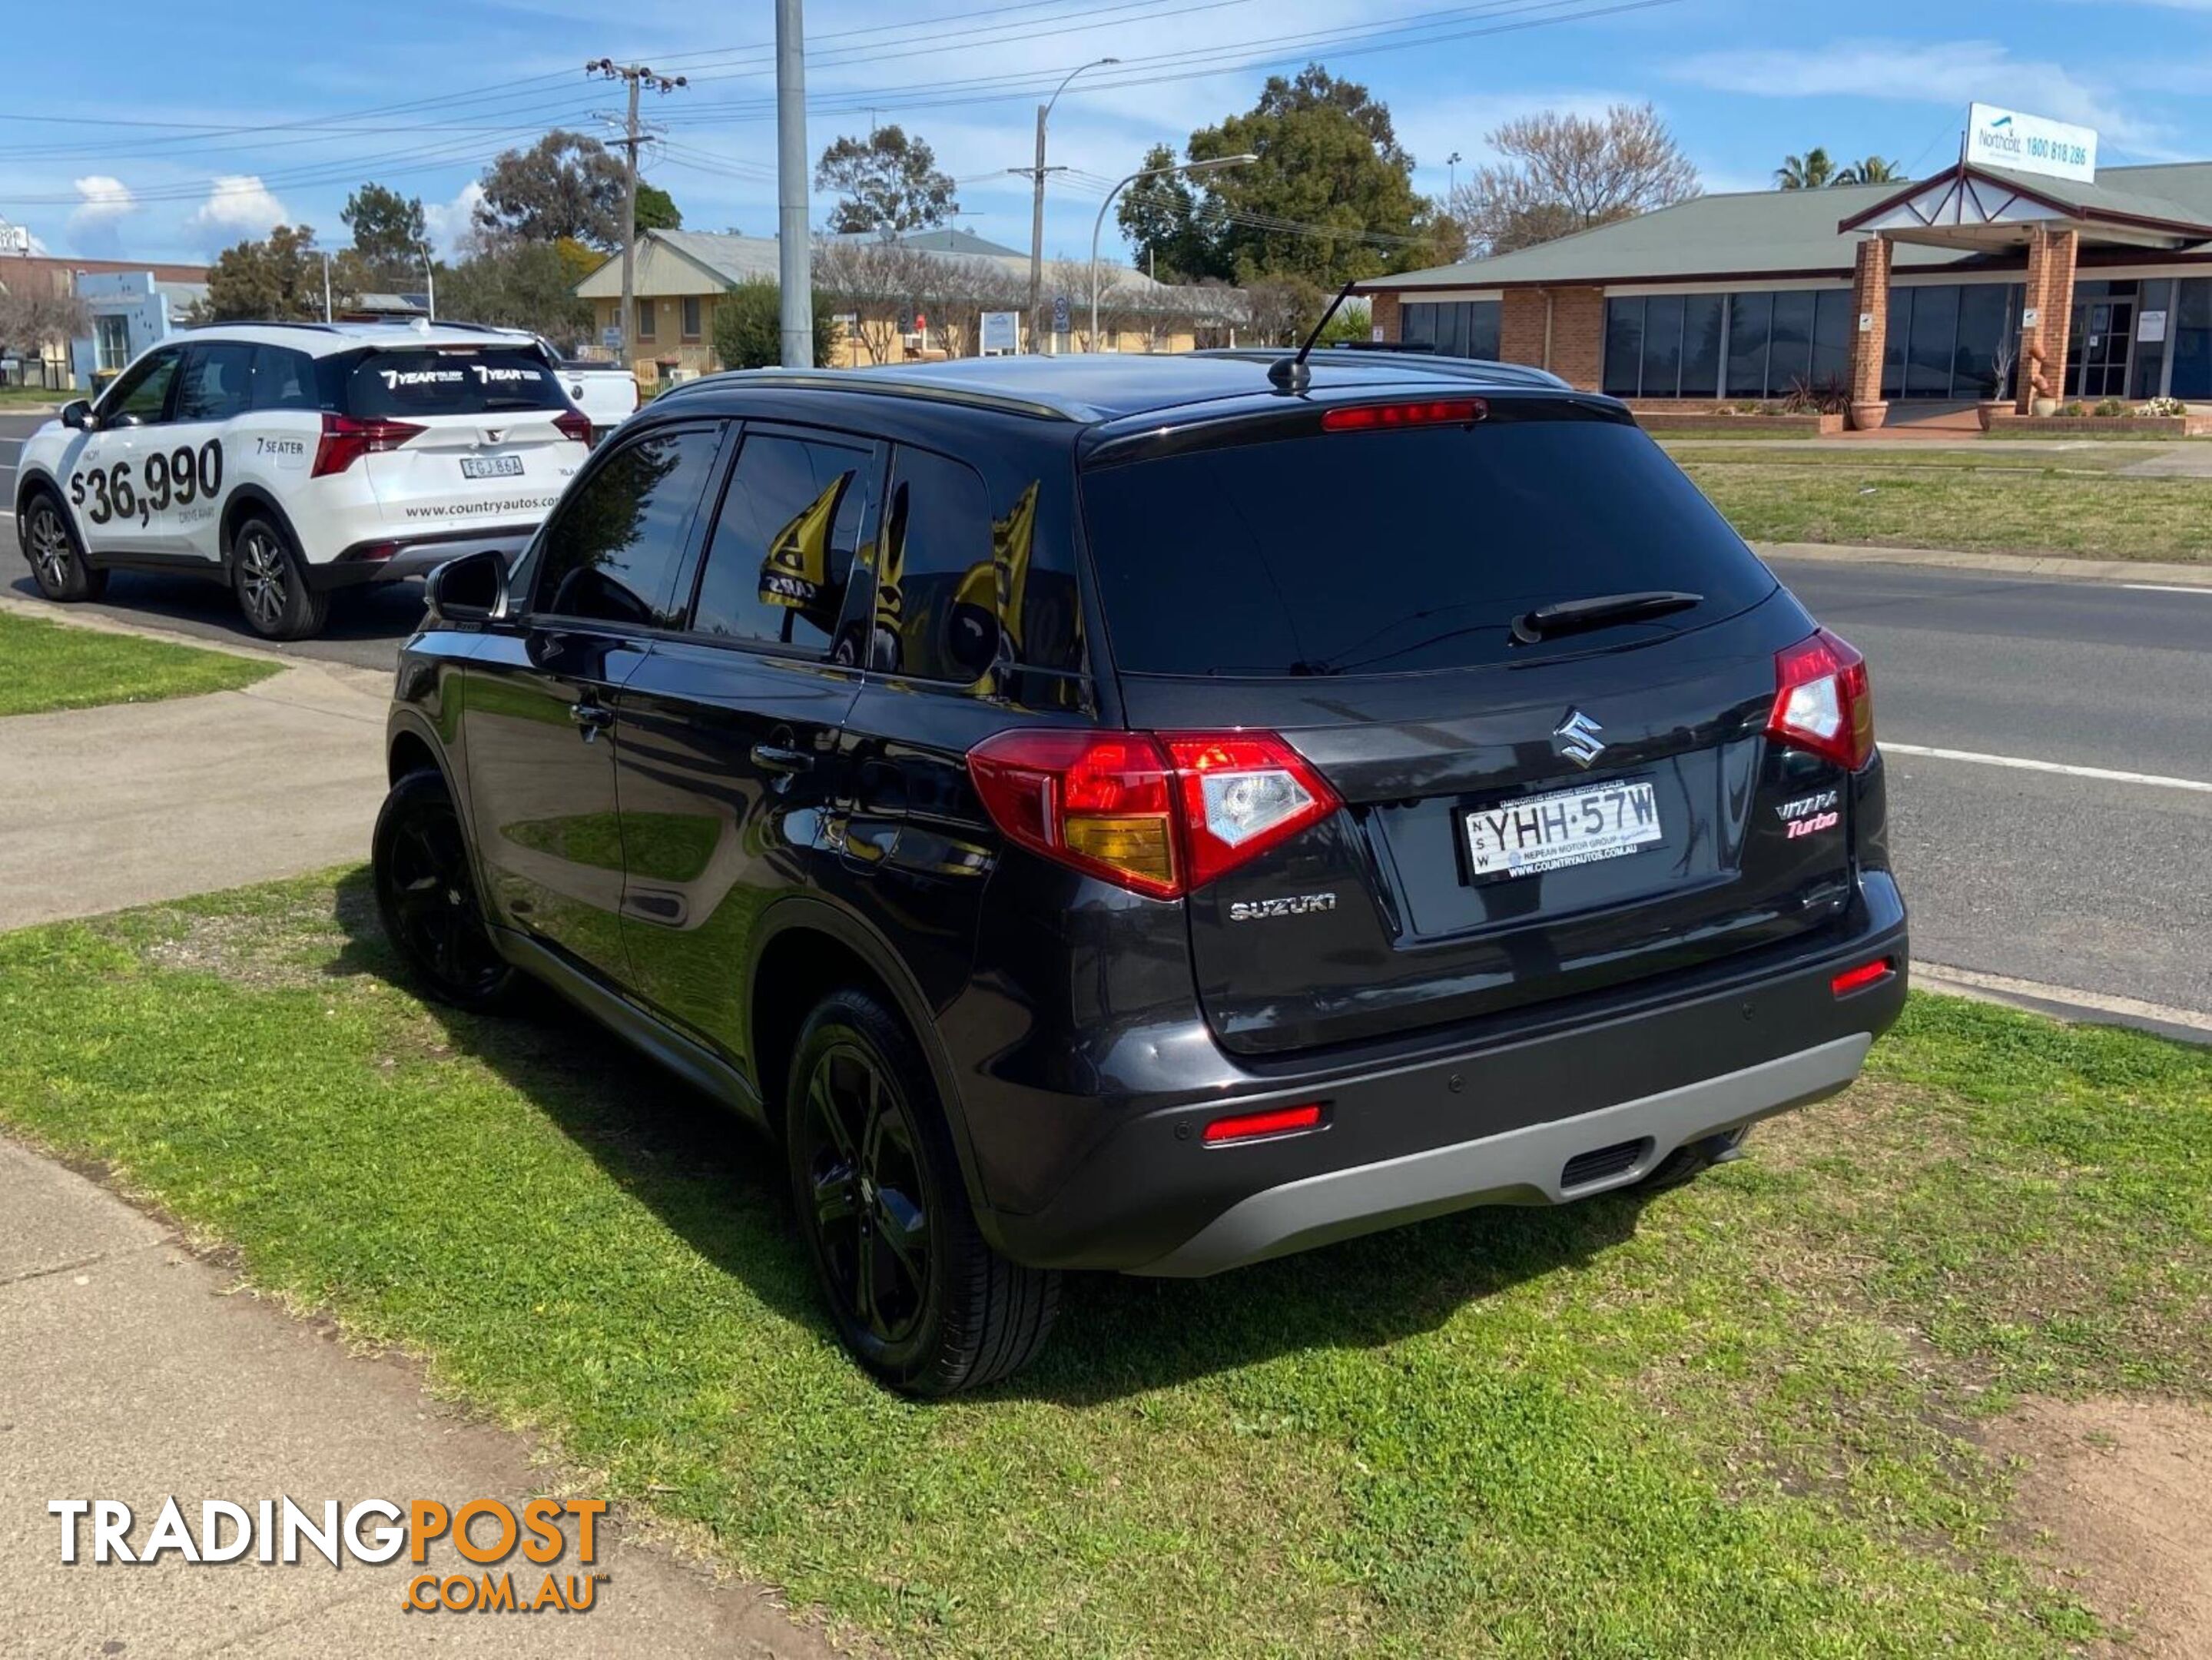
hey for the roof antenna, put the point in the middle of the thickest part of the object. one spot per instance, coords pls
(1290, 374)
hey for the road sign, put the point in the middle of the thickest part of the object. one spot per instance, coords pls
(920, 323)
(610, 337)
(1060, 313)
(1002, 332)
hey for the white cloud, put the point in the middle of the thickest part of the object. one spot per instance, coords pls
(1947, 73)
(237, 205)
(106, 200)
(449, 221)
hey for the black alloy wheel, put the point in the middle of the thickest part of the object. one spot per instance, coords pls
(916, 1293)
(272, 584)
(426, 894)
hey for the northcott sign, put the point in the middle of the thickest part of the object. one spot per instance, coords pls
(2030, 144)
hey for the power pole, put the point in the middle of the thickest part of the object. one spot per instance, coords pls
(636, 75)
(793, 268)
(1036, 196)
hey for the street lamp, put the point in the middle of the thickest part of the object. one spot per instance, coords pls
(1036, 176)
(430, 279)
(1149, 172)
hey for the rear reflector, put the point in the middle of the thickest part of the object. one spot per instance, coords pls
(1377, 417)
(1858, 979)
(1251, 1126)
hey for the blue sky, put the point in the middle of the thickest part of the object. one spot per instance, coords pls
(202, 124)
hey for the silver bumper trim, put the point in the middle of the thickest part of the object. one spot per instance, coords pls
(1522, 1166)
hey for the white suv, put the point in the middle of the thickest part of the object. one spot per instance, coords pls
(288, 460)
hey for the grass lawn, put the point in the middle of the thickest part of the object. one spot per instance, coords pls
(1997, 499)
(52, 666)
(30, 399)
(1742, 1417)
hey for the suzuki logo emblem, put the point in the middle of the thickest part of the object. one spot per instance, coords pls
(1577, 738)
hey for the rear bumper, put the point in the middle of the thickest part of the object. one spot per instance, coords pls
(392, 559)
(1522, 1166)
(1497, 1118)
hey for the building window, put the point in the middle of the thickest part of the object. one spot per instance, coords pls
(111, 342)
(1456, 328)
(691, 317)
(645, 319)
(1750, 316)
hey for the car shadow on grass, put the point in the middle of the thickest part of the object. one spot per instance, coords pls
(714, 1179)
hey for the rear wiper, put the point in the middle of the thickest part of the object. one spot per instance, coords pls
(1603, 611)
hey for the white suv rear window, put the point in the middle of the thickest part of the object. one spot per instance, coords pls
(466, 381)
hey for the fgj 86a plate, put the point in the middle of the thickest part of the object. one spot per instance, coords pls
(491, 466)
(1568, 827)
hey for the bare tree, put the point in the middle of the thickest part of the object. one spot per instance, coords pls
(1568, 172)
(1279, 309)
(34, 316)
(876, 281)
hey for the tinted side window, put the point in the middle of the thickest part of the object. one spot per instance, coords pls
(612, 549)
(143, 391)
(784, 544)
(283, 379)
(217, 383)
(937, 599)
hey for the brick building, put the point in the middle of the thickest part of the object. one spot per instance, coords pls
(1978, 283)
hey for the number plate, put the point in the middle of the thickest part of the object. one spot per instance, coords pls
(491, 466)
(1568, 827)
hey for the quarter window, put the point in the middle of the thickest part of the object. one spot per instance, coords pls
(217, 383)
(283, 379)
(612, 552)
(782, 559)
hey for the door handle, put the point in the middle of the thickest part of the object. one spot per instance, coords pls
(775, 758)
(592, 719)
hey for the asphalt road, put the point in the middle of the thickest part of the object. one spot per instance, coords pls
(2034, 873)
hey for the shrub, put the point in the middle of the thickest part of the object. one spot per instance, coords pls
(2071, 409)
(2111, 407)
(749, 327)
(2166, 406)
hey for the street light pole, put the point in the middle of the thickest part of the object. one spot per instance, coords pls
(430, 280)
(1099, 224)
(1036, 195)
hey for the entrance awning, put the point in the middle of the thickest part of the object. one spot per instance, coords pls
(1991, 208)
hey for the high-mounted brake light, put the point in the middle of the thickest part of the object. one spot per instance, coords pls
(1377, 417)
(1254, 1126)
(1858, 979)
(1823, 701)
(574, 423)
(1158, 813)
(346, 439)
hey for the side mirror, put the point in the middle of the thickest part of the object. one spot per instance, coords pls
(467, 589)
(77, 413)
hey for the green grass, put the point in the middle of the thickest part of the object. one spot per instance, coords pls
(52, 666)
(1974, 499)
(1739, 1419)
(30, 399)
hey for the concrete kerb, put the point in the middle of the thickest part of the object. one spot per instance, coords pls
(2023, 567)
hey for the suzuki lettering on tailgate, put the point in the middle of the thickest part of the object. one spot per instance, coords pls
(1568, 827)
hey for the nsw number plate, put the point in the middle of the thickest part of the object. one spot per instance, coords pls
(1568, 827)
(491, 466)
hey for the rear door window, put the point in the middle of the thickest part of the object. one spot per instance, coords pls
(781, 564)
(936, 598)
(617, 541)
(1400, 551)
(217, 382)
(468, 380)
(283, 379)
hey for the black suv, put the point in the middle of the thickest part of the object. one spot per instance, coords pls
(1117, 813)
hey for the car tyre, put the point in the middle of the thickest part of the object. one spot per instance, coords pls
(271, 580)
(918, 1296)
(426, 895)
(55, 555)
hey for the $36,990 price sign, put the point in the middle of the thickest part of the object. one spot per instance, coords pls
(177, 478)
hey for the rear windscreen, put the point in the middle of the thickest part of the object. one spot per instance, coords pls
(469, 381)
(1396, 553)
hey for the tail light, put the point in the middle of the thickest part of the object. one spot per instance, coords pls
(346, 439)
(1157, 813)
(574, 423)
(1823, 701)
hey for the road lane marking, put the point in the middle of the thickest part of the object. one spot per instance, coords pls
(1969, 982)
(2166, 588)
(2020, 763)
